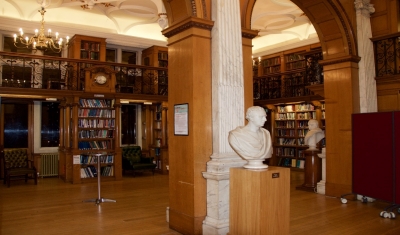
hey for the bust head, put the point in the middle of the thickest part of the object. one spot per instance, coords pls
(256, 116)
(312, 124)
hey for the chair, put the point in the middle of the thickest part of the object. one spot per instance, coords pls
(17, 166)
(133, 160)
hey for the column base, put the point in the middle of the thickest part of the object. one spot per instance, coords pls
(321, 187)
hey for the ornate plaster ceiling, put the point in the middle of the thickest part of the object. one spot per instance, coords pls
(137, 23)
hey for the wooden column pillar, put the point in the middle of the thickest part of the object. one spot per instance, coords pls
(189, 81)
(341, 101)
(117, 147)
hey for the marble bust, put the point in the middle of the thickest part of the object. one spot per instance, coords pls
(314, 135)
(252, 142)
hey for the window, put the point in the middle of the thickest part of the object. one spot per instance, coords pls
(15, 125)
(111, 55)
(50, 126)
(129, 124)
(128, 57)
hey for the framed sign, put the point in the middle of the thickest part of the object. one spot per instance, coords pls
(181, 119)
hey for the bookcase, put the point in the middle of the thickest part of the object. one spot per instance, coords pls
(157, 56)
(155, 134)
(94, 140)
(86, 47)
(290, 126)
(288, 73)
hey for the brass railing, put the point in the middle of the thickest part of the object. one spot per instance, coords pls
(47, 72)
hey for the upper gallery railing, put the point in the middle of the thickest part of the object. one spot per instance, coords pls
(387, 55)
(48, 72)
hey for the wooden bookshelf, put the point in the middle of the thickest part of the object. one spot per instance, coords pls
(290, 127)
(287, 74)
(155, 56)
(95, 139)
(159, 141)
(86, 47)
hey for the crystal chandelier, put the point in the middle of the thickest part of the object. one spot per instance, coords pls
(40, 41)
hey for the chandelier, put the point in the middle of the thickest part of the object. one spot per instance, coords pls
(40, 41)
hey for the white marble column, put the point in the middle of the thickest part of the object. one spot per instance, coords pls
(368, 96)
(321, 184)
(227, 109)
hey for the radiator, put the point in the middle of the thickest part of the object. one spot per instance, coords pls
(48, 164)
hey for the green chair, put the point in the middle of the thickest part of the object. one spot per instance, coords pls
(17, 166)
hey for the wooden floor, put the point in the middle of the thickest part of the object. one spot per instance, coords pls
(55, 207)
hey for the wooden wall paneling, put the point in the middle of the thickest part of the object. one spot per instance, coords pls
(385, 19)
(189, 53)
(388, 94)
(396, 121)
(341, 101)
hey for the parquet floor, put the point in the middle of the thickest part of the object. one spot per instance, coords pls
(55, 207)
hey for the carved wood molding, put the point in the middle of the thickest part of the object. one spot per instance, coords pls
(349, 58)
(191, 22)
(249, 33)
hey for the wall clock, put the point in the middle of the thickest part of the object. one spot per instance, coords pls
(100, 78)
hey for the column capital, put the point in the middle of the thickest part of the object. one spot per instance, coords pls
(364, 7)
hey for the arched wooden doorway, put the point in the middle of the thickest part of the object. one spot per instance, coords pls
(189, 51)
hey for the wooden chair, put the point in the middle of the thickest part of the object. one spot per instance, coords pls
(17, 166)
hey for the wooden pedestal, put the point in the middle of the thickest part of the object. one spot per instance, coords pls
(312, 171)
(259, 201)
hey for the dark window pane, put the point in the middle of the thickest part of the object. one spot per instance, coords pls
(15, 125)
(111, 55)
(128, 57)
(50, 128)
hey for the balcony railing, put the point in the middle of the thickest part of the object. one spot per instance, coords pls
(47, 72)
(387, 55)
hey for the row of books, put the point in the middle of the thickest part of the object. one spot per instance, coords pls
(291, 162)
(295, 65)
(293, 57)
(285, 124)
(302, 132)
(272, 69)
(295, 108)
(90, 46)
(96, 103)
(290, 141)
(96, 134)
(96, 123)
(91, 159)
(285, 152)
(103, 113)
(92, 55)
(91, 171)
(307, 115)
(162, 55)
(271, 61)
(286, 141)
(282, 132)
(285, 116)
(88, 145)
